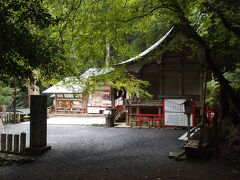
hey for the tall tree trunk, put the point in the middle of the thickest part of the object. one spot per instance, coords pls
(224, 112)
(224, 83)
(14, 100)
(224, 102)
(107, 54)
(215, 133)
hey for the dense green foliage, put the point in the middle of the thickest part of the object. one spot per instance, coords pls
(34, 32)
(129, 27)
(24, 41)
(213, 88)
(6, 95)
(58, 37)
(120, 79)
(209, 18)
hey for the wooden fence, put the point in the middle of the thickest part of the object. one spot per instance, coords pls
(8, 117)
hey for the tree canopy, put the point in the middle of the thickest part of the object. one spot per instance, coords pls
(24, 41)
(128, 26)
(6, 93)
(90, 33)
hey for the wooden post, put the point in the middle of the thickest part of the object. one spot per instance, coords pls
(203, 105)
(112, 97)
(16, 143)
(215, 133)
(1, 123)
(113, 111)
(130, 117)
(7, 118)
(17, 117)
(127, 115)
(56, 103)
(9, 142)
(22, 142)
(188, 126)
(3, 141)
(181, 77)
(163, 112)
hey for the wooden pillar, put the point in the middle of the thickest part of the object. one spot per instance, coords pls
(112, 97)
(16, 143)
(85, 103)
(9, 142)
(162, 78)
(181, 77)
(138, 110)
(204, 87)
(127, 115)
(56, 104)
(70, 105)
(22, 142)
(3, 141)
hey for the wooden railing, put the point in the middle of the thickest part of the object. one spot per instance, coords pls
(151, 119)
(8, 117)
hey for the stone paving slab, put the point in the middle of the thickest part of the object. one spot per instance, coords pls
(71, 120)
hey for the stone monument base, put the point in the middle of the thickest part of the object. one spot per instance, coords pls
(37, 151)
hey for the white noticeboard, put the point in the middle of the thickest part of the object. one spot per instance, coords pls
(174, 113)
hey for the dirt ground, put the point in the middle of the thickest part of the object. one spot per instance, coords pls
(98, 153)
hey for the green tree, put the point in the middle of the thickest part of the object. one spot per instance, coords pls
(85, 27)
(211, 45)
(25, 43)
(6, 95)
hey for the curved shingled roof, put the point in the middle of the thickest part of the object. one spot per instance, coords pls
(69, 85)
(150, 49)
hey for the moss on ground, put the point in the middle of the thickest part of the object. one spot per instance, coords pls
(12, 159)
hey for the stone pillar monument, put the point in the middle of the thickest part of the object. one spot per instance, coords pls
(38, 125)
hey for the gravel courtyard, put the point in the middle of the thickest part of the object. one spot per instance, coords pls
(98, 153)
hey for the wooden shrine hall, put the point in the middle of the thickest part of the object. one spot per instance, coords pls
(174, 74)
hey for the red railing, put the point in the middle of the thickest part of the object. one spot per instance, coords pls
(150, 118)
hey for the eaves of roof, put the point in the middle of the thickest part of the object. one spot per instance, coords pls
(71, 84)
(149, 50)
